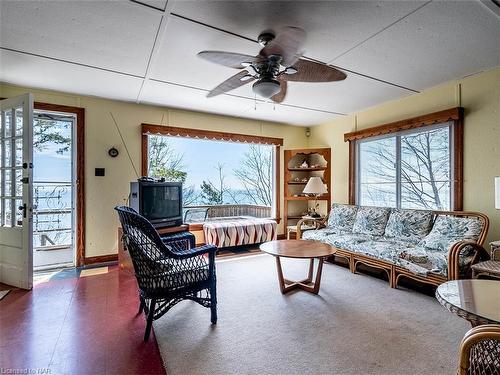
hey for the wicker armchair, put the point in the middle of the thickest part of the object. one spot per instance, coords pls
(480, 351)
(167, 271)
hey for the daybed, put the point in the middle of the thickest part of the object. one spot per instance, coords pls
(428, 246)
(236, 231)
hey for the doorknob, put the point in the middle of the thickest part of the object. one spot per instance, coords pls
(23, 208)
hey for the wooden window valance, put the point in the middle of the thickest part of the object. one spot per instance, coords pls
(148, 129)
(456, 115)
(452, 114)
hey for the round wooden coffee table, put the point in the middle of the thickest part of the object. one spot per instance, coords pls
(301, 249)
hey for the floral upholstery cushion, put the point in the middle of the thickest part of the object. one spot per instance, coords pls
(318, 234)
(409, 225)
(371, 220)
(449, 229)
(385, 250)
(342, 241)
(421, 260)
(342, 217)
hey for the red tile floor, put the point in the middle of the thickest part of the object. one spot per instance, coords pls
(77, 325)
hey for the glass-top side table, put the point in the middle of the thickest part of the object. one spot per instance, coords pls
(477, 301)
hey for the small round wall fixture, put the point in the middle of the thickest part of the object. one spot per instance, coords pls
(113, 152)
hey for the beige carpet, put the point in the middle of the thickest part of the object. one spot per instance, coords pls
(357, 325)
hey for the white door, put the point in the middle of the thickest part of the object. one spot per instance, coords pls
(16, 192)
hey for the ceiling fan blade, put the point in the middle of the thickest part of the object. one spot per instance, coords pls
(286, 44)
(279, 97)
(230, 84)
(310, 71)
(230, 59)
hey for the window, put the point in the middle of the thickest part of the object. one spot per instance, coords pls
(411, 169)
(413, 163)
(233, 175)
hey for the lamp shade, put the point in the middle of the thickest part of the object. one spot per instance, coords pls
(497, 193)
(315, 185)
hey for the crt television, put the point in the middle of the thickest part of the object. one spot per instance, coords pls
(159, 202)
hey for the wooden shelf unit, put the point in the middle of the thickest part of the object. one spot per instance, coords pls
(296, 205)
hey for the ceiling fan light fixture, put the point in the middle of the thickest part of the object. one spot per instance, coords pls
(266, 87)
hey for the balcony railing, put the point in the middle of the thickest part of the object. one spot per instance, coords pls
(202, 213)
(52, 219)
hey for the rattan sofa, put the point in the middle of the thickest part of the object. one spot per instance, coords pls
(428, 246)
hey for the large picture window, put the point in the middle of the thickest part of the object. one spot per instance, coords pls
(414, 163)
(411, 169)
(228, 174)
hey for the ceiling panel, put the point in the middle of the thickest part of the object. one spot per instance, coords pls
(115, 35)
(444, 40)
(332, 26)
(158, 4)
(159, 93)
(352, 94)
(32, 71)
(177, 59)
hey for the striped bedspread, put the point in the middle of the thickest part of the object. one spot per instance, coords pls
(239, 231)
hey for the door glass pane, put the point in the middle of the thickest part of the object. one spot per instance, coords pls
(7, 213)
(426, 169)
(19, 152)
(377, 176)
(19, 184)
(8, 182)
(19, 213)
(19, 121)
(8, 154)
(8, 123)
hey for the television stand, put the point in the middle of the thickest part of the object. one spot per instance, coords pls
(124, 259)
(177, 229)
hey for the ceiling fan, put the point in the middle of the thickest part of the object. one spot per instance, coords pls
(277, 63)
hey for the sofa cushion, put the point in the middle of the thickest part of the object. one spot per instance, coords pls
(409, 225)
(421, 260)
(344, 241)
(449, 229)
(371, 220)
(380, 249)
(341, 217)
(318, 234)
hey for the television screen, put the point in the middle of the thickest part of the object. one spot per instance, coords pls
(161, 202)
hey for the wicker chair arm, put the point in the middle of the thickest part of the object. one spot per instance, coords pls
(197, 251)
(454, 257)
(473, 337)
(317, 224)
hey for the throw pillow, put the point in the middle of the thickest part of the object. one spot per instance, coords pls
(409, 225)
(449, 229)
(371, 220)
(341, 217)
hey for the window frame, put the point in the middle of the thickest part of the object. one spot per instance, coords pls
(409, 126)
(150, 129)
(397, 135)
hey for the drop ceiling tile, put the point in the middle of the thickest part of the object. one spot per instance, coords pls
(169, 95)
(332, 26)
(31, 71)
(442, 41)
(116, 35)
(177, 61)
(158, 4)
(352, 94)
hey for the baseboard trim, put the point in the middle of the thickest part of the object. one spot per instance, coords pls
(101, 259)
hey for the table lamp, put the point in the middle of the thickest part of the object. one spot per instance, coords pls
(315, 186)
(497, 193)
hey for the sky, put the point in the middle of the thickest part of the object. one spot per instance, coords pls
(200, 158)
